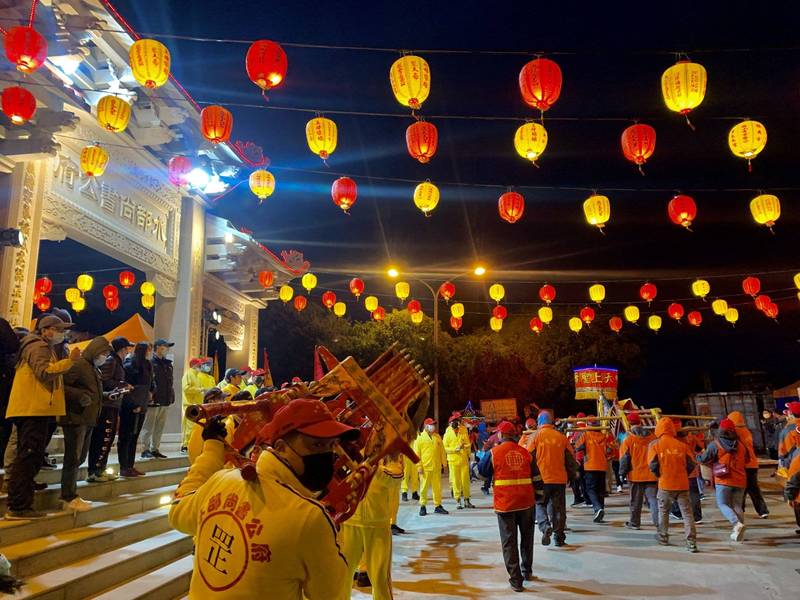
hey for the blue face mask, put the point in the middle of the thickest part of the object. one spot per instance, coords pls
(99, 360)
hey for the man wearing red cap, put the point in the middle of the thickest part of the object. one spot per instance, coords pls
(512, 469)
(526, 439)
(634, 466)
(269, 537)
(457, 447)
(430, 450)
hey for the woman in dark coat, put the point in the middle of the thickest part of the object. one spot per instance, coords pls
(138, 373)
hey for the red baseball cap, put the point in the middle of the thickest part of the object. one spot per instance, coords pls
(727, 425)
(634, 419)
(530, 423)
(429, 421)
(580, 415)
(794, 408)
(309, 417)
(454, 417)
(506, 427)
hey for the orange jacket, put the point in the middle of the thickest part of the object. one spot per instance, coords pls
(670, 459)
(792, 490)
(513, 479)
(746, 437)
(550, 449)
(633, 457)
(728, 452)
(594, 445)
(789, 442)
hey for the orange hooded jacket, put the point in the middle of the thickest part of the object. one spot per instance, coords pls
(745, 437)
(633, 457)
(553, 455)
(594, 445)
(792, 490)
(670, 459)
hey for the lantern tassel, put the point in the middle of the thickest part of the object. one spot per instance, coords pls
(641, 170)
(749, 166)
(325, 162)
(264, 95)
(601, 231)
(534, 164)
(689, 123)
(689, 228)
(771, 230)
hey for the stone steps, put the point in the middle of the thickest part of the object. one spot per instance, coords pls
(170, 582)
(53, 476)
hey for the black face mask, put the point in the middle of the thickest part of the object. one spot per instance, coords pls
(317, 469)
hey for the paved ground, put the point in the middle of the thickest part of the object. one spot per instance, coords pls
(457, 556)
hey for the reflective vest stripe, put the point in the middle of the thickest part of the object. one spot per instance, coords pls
(498, 482)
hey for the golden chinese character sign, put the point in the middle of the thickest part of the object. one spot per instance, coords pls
(590, 381)
(499, 409)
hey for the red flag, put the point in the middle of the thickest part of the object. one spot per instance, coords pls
(267, 373)
(318, 372)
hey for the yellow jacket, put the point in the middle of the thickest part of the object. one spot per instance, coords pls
(38, 388)
(375, 510)
(430, 450)
(195, 446)
(457, 444)
(262, 539)
(194, 384)
(230, 389)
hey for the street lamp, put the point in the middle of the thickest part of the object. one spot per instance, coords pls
(12, 237)
(393, 272)
(479, 271)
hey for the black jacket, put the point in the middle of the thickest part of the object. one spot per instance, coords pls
(112, 374)
(9, 347)
(83, 388)
(162, 374)
(140, 376)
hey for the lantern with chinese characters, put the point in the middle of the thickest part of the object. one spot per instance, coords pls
(511, 205)
(547, 293)
(18, 104)
(147, 288)
(597, 209)
(457, 310)
(150, 62)
(300, 303)
(654, 322)
(762, 302)
(638, 144)
(356, 287)
(72, 294)
(597, 293)
(344, 193)
(426, 197)
(701, 288)
(113, 113)
(648, 292)
(682, 210)
(497, 292)
(587, 315)
(216, 124)
(328, 299)
(747, 139)
(321, 135)
(178, 170)
(545, 314)
(416, 318)
(731, 316)
(540, 83)
(694, 318)
(771, 311)
(575, 324)
(455, 323)
(266, 64)
(148, 301)
(339, 309)
(79, 305)
(410, 77)
(675, 311)
(110, 291)
(422, 139)
(43, 285)
(402, 290)
(751, 286)
(447, 290)
(683, 86)
(719, 306)
(126, 279)
(309, 281)
(112, 304)
(500, 312)
(496, 324)
(379, 314)
(530, 141)
(285, 293)
(371, 303)
(26, 48)
(536, 325)
(266, 278)
(262, 184)
(766, 209)
(414, 307)
(85, 282)
(615, 323)
(631, 313)
(43, 303)
(93, 160)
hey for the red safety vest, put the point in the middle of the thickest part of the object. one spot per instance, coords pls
(513, 486)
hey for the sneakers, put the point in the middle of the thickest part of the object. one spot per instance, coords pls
(147, 454)
(362, 580)
(691, 547)
(663, 540)
(397, 530)
(737, 535)
(158, 454)
(529, 577)
(440, 510)
(101, 478)
(460, 506)
(404, 496)
(184, 450)
(577, 503)
(468, 504)
(517, 587)
(130, 473)
(423, 511)
(24, 515)
(414, 496)
(546, 535)
(39, 486)
(674, 517)
(764, 516)
(560, 543)
(598, 516)
(77, 504)
(587, 505)
(699, 522)
(619, 489)
(630, 525)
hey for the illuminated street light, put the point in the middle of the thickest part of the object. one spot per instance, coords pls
(480, 270)
(12, 237)
(393, 272)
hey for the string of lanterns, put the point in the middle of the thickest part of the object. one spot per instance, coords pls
(84, 284)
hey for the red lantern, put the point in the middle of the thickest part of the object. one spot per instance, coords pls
(455, 323)
(266, 64)
(26, 48)
(356, 287)
(638, 143)
(178, 170)
(379, 314)
(511, 205)
(694, 318)
(43, 285)
(300, 303)
(771, 310)
(547, 293)
(751, 286)
(414, 307)
(19, 105)
(682, 210)
(328, 299)
(216, 124)
(43, 303)
(762, 302)
(126, 279)
(536, 325)
(615, 323)
(344, 193)
(112, 303)
(266, 278)
(110, 291)
(675, 311)
(447, 290)
(499, 312)
(648, 292)
(540, 83)
(422, 139)
(587, 315)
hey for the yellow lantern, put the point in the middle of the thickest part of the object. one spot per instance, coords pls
(654, 322)
(701, 288)
(720, 307)
(79, 305)
(731, 316)
(747, 139)
(797, 281)
(309, 281)
(410, 77)
(545, 315)
(575, 324)
(147, 288)
(497, 292)
(371, 303)
(262, 184)
(496, 324)
(72, 294)
(426, 197)
(416, 318)
(683, 86)
(530, 141)
(150, 63)
(631, 313)
(457, 310)
(597, 293)
(339, 309)
(597, 209)
(148, 301)
(84, 283)
(285, 293)
(321, 135)
(766, 209)
(93, 160)
(113, 113)
(402, 290)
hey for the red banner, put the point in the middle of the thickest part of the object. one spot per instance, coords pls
(590, 381)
